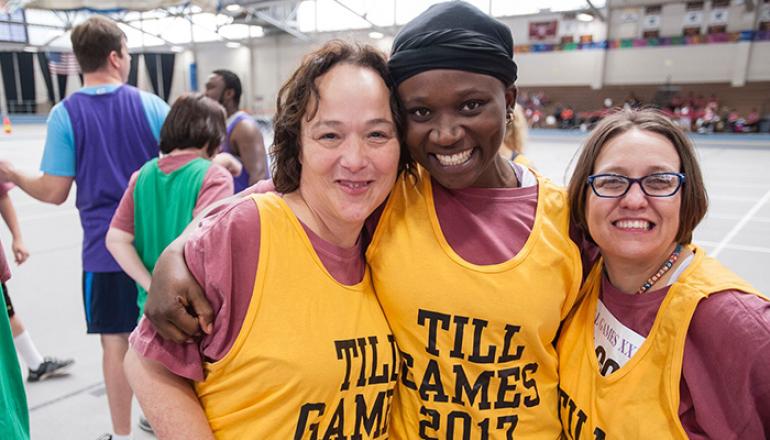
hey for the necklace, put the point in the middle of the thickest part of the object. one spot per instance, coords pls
(663, 269)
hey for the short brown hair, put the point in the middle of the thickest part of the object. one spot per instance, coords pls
(694, 198)
(300, 89)
(193, 121)
(94, 40)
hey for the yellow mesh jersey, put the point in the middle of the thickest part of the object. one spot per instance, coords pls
(476, 340)
(641, 399)
(314, 358)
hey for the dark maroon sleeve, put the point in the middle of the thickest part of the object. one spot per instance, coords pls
(123, 218)
(370, 225)
(223, 256)
(5, 269)
(181, 359)
(725, 387)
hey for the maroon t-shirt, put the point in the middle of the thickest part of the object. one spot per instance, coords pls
(725, 386)
(500, 218)
(5, 269)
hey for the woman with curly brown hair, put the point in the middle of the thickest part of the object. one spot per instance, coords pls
(301, 344)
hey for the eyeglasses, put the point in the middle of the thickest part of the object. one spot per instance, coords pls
(653, 185)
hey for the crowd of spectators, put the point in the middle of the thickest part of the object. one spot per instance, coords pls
(693, 113)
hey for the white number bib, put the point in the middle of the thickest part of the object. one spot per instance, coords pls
(615, 343)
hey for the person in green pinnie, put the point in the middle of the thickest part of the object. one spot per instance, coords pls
(14, 416)
(167, 192)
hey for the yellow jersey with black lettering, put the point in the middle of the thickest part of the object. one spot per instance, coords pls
(314, 358)
(476, 340)
(641, 399)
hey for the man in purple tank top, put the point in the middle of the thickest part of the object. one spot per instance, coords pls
(97, 137)
(243, 139)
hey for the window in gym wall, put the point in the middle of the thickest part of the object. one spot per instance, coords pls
(13, 27)
(693, 19)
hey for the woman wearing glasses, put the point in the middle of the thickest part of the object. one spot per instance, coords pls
(667, 342)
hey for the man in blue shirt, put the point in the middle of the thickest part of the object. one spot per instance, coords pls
(98, 137)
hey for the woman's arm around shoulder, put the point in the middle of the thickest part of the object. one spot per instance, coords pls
(221, 257)
(174, 293)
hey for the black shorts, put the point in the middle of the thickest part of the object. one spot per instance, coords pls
(109, 299)
(8, 303)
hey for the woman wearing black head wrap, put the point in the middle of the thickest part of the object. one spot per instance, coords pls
(473, 264)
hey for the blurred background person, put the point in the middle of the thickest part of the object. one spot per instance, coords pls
(516, 137)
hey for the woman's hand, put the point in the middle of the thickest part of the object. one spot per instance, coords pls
(20, 251)
(229, 162)
(176, 305)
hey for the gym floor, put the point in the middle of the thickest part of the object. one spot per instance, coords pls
(47, 294)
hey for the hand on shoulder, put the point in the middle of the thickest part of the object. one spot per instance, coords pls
(229, 162)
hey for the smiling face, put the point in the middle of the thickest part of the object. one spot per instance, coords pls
(349, 149)
(455, 124)
(635, 227)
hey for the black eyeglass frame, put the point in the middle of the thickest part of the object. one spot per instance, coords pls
(680, 181)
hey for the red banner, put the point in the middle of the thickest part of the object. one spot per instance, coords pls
(543, 30)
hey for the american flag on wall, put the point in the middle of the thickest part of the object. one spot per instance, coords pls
(63, 63)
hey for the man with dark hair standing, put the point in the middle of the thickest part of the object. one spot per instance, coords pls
(98, 137)
(243, 138)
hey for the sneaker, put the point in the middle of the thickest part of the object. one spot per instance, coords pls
(50, 367)
(144, 425)
(105, 437)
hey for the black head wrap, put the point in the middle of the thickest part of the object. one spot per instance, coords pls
(457, 36)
